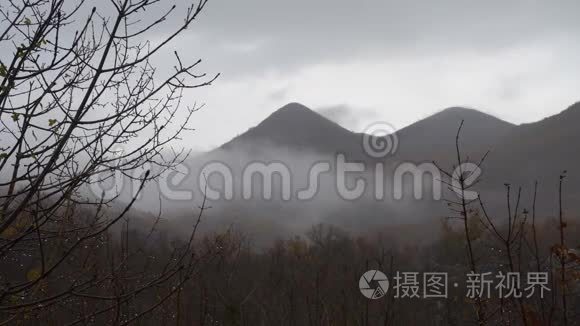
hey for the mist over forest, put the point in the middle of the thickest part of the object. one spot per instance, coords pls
(302, 163)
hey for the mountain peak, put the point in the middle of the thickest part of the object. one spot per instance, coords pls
(463, 112)
(294, 106)
(292, 113)
(450, 118)
(295, 125)
(435, 135)
(458, 109)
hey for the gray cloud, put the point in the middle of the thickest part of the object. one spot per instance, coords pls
(517, 59)
(279, 94)
(347, 116)
(277, 35)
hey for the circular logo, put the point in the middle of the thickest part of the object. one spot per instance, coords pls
(380, 139)
(373, 278)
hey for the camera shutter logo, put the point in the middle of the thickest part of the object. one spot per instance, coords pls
(374, 278)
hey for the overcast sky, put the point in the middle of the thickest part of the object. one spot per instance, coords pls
(359, 61)
(397, 61)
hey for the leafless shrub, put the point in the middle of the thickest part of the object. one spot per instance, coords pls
(77, 85)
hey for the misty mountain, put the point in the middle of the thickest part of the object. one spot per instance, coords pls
(296, 127)
(433, 138)
(517, 152)
(539, 151)
(300, 137)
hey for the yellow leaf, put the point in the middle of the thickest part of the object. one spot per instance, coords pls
(33, 274)
(10, 233)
